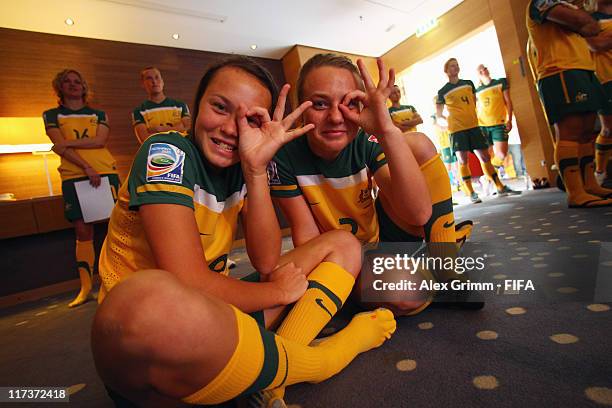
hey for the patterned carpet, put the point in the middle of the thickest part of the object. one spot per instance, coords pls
(548, 347)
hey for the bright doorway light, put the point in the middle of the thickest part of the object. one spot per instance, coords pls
(421, 81)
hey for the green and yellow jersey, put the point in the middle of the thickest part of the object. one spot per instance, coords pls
(491, 104)
(461, 105)
(80, 124)
(339, 193)
(401, 113)
(557, 49)
(169, 169)
(168, 112)
(603, 60)
(443, 137)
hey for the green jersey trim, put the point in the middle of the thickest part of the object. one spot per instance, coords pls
(51, 117)
(539, 9)
(402, 107)
(150, 106)
(169, 168)
(494, 83)
(448, 88)
(296, 166)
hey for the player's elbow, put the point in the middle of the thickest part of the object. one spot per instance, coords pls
(59, 149)
(99, 143)
(589, 29)
(266, 265)
(597, 46)
(418, 212)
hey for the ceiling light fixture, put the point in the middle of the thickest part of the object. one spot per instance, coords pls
(253, 46)
(176, 36)
(163, 7)
(427, 27)
(69, 21)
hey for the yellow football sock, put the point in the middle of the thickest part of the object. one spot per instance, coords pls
(587, 168)
(441, 225)
(463, 233)
(491, 174)
(603, 149)
(328, 287)
(365, 331)
(85, 257)
(566, 158)
(497, 161)
(466, 178)
(263, 360)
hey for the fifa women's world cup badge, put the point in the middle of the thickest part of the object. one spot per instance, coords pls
(165, 163)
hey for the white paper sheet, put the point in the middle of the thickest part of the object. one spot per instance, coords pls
(96, 203)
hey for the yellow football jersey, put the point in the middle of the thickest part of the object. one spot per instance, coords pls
(491, 104)
(404, 112)
(557, 49)
(461, 105)
(443, 137)
(339, 193)
(603, 59)
(168, 169)
(79, 124)
(168, 112)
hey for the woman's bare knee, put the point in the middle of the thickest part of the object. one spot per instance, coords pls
(149, 333)
(345, 250)
(129, 327)
(422, 148)
(121, 320)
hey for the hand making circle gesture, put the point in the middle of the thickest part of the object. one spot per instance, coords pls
(374, 117)
(260, 137)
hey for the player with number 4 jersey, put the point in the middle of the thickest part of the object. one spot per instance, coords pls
(459, 96)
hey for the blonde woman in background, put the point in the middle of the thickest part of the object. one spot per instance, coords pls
(79, 135)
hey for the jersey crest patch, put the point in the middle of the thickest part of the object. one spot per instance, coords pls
(273, 177)
(373, 139)
(165, 163)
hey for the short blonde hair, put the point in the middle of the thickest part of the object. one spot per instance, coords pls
(59, 78)
(447, 63)
(145, 69)
(327, 60)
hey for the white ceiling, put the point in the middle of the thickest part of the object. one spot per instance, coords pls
(231, 26)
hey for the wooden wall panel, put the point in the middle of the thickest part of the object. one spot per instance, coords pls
(291, 67)
(299, 54)
(458, 23)
(21, 219)
(509, 19)
(49, 214)
(308, 52)
(30, 61)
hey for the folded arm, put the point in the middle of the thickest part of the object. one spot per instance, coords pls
(574, 19)
(61, 149)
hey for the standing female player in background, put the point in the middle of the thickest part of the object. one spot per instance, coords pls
(79, 135)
